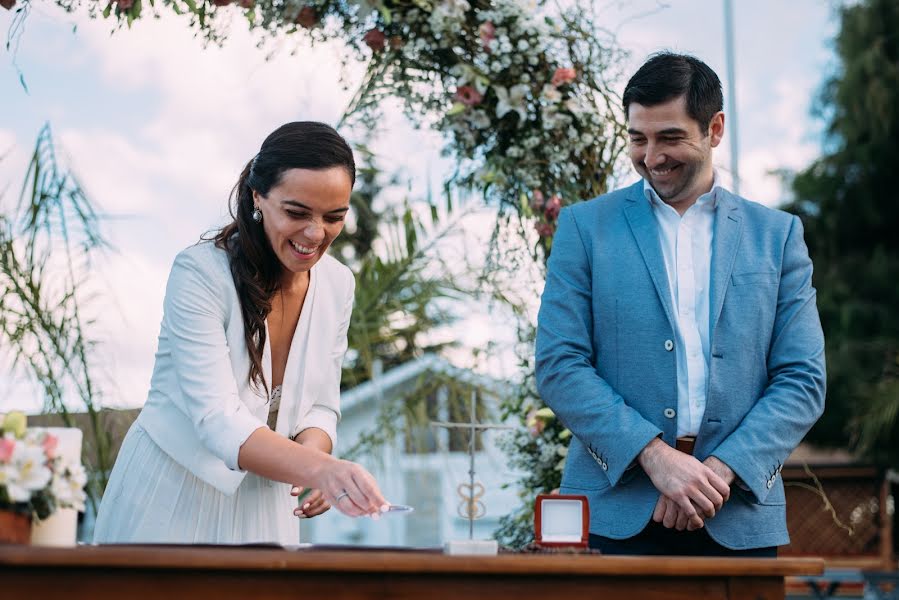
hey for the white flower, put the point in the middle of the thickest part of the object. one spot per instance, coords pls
(525, 78)
(27, 472)
(448, 15)
(523, 45)
(531, 142)
(366, 7)
(68, 485)
(575, 107)
(555, 120)
(511, 99)
(551, 94)
(479, 119)
(514, 152)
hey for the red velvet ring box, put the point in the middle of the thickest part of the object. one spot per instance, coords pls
(561, 520)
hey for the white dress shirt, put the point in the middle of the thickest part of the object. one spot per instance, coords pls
(686, 243)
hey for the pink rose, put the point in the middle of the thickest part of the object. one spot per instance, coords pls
(307, 17)
(7, 4)
(6, 448)
(247, 3)
(487, 33)
(545, 230)
(221, 2)
(375, 39)
(468, 96)
(537, 201)
(124, 4)
(50, 443)
(552, 209)
(563, 75)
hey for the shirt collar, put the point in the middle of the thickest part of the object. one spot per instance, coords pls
(712, 196)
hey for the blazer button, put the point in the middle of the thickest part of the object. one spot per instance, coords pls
(669, 345)
(769, 484)
(605, 467)
(669, 412)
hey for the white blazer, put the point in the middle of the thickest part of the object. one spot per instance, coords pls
(201, 407)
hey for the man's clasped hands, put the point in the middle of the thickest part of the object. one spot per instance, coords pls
(692, 491)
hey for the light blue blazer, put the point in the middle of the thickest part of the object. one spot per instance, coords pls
(606, 363)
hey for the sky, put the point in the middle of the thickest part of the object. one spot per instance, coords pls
(157, 126)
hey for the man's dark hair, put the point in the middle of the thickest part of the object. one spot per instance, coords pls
(666, 76)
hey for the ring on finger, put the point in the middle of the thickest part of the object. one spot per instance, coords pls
(341, 496)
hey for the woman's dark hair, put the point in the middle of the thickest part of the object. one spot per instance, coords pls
(666, 76)
(254, 265)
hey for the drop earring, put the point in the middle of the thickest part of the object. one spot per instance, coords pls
(257, 215)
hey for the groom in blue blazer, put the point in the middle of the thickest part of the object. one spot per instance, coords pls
(678, 339)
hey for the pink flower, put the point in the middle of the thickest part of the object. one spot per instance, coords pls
(307, 17)
(50, 443)
(221, 2)
(545, 230)
(537, 201)
(563, 75)
(124, 4)
(552, 209)
(487, 33)
(375, 39)
(468, 96)
(6, 448)
(247, 3)
(7, 4)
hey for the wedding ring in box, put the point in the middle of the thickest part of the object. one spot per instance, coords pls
(561, 520)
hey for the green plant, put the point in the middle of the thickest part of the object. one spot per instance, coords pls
(46, 246)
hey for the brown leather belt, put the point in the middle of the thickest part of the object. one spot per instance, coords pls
(685, 444)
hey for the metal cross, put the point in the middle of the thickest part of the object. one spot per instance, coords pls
(473, 426)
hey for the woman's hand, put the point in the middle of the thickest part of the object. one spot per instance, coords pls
(312, 505)
(351, 489)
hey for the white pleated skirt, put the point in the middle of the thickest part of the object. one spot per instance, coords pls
(151, 498)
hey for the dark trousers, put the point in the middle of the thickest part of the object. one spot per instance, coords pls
(657, 540)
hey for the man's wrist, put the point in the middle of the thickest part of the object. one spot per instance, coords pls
(721, 469)
(646, 457)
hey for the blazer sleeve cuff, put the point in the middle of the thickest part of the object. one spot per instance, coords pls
(626, 455)
(748, 476)
(320, 418)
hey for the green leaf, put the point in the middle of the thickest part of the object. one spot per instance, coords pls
(457, 108)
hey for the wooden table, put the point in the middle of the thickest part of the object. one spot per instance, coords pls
(240, 573)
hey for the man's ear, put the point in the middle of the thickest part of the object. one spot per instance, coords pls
(716, 128)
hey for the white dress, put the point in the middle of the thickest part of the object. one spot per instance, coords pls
(162, 502)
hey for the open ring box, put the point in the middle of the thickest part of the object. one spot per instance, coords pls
(561, 520)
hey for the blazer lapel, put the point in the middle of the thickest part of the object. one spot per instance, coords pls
(726, 242)
(646, 233)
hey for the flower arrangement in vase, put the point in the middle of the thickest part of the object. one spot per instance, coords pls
(35, 479)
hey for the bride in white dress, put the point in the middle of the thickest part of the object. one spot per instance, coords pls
(244, 401)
